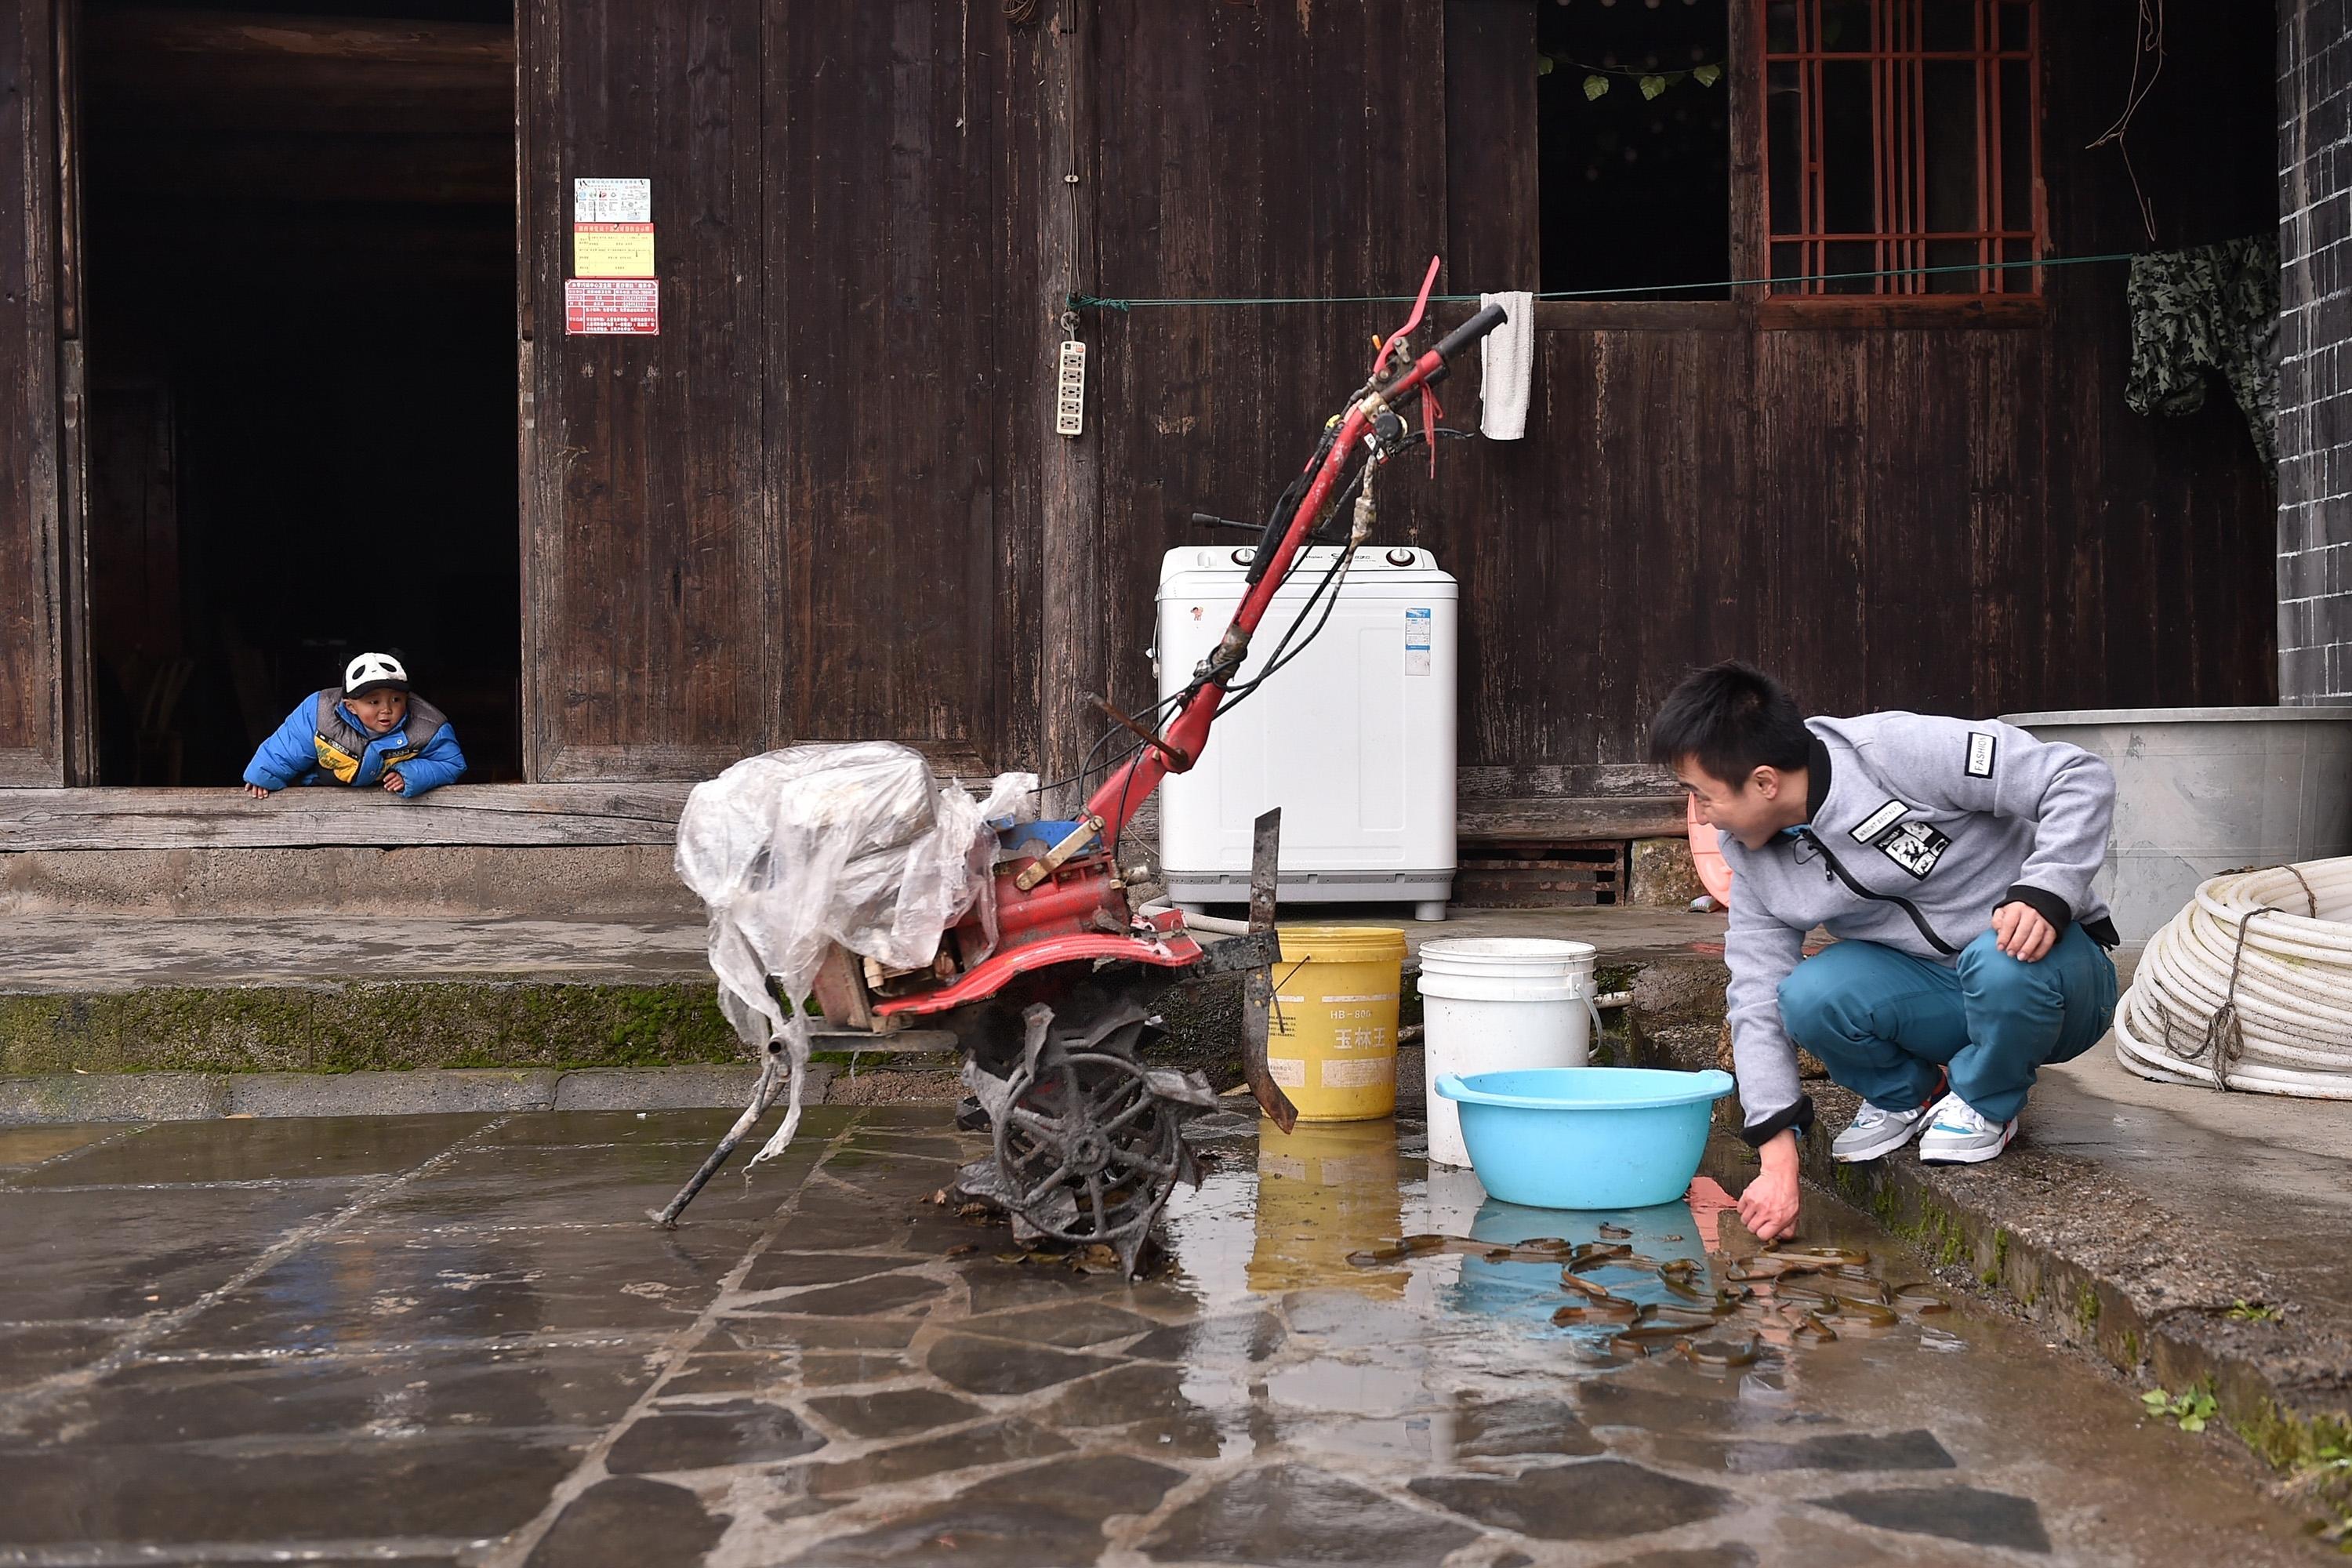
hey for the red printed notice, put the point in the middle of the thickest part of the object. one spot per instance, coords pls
(603, 307)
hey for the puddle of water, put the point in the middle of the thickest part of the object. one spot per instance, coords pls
(1338, 1386)
(1324, 1214)
(1319, 1191)
(1528, 1290)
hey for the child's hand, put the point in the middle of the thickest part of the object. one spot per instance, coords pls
(395, 785)
(257, 791)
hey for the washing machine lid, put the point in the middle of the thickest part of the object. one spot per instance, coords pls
(1217, 569)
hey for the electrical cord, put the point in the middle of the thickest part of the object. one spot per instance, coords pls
(1338, 568)
(1283, 508)
(1088, 767)
(1323, 594)
(1239, 694)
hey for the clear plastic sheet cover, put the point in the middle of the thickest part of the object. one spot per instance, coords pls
(856, 844)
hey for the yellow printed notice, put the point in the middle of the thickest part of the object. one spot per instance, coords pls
(612, 250)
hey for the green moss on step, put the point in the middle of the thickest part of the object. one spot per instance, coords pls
(367, 1026)
(1931, 1229)
(2292, 1444)
(1992, 1275)
(1608, 977)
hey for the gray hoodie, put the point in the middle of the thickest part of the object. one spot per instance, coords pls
(1920, 827)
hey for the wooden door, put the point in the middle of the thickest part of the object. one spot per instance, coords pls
(650, 640)
(883, 341)
(45, 729)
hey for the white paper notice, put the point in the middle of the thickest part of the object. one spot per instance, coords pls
(612, 201)
(1416, 642)
(611, 307)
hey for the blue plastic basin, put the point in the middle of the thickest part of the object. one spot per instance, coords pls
(1586, 1138)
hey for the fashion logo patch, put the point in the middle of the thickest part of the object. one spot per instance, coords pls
(1980, 755)
(1914, 846)
(1878, 821)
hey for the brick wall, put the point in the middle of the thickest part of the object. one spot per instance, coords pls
(2315, 97)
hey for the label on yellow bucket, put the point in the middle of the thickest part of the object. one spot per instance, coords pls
(1363, 1072)
(1337, 1009)
(1290, 1072)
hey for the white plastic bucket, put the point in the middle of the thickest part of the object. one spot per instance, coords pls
(1498, 1004)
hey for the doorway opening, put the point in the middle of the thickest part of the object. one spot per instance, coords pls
(300, 230)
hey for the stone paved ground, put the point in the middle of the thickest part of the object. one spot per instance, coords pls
(454, 1339)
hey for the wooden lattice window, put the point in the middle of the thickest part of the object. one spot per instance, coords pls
(1902, 147)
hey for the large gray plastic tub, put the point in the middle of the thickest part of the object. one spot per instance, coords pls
(2206, 790)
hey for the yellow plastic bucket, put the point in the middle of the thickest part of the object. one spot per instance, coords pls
(1332, 1046)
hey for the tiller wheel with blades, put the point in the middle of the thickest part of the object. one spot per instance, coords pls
(1053, 1010)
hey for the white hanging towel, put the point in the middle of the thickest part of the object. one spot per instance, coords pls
(1507, 367)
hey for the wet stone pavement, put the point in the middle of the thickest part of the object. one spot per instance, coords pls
(456, 1339)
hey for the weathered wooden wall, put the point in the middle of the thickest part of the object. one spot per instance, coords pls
(784, 519)
(824, 501)
(882, 261)
(1250, 151)
(1961, 518)
(32, 584)
(655, 608)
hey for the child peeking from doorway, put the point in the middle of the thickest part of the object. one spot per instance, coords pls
(370, 733)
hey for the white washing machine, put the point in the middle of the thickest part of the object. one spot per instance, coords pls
(1353, 738)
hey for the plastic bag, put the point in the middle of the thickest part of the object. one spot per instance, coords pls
(795, 850)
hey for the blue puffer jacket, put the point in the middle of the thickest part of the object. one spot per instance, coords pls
(423, 752)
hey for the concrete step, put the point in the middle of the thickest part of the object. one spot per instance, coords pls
(323, 994)
(226, 997)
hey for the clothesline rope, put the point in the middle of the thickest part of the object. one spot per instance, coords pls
(1096, 302)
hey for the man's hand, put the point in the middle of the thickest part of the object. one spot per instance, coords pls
(1769, 1207)
(257, 791)
(2023, 934)
(395, 783)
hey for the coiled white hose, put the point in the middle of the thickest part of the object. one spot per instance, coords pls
(2250, 987)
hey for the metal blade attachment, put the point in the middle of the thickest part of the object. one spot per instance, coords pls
(1257, 984)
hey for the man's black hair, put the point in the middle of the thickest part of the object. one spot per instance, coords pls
(1731, 719)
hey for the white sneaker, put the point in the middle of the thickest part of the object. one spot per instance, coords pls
(1957, 1135)
(1877, 1131)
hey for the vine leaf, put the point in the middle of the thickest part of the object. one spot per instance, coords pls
(1707, 75)
(1653, 85)
(1595, 85)
(1543, 65)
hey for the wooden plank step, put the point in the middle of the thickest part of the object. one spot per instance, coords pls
(586, 815)
(1568, 819)
(486, 815)
(1523, 876)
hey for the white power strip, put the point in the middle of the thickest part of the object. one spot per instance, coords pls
(1070, 397)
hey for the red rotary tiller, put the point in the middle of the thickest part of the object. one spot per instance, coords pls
(1052, 1013)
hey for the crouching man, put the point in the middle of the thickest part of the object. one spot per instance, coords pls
(1952, 859)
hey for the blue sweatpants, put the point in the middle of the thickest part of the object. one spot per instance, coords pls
(1885, 1023)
